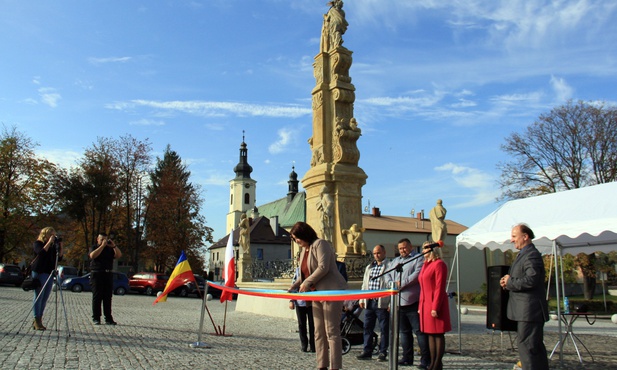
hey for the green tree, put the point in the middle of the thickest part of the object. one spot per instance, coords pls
(27, 196)
(572, 146)
(173, 221)
(90, 193)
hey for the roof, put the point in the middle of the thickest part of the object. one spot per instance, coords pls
(260, 233)
(288, 212)
(406, 224)
(578, 220)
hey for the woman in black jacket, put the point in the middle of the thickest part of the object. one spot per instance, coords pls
(45, 249)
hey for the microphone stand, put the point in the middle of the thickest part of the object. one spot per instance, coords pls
(394, 308)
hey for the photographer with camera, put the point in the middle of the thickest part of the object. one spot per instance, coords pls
(46, 246)
(102, 255)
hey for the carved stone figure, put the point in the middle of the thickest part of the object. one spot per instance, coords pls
(334, 26)
(245, 238)
(353, 238)
(325, 205)
(438, 223)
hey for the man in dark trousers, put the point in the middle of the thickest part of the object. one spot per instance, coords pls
(527, 303)
(102, 255)
(376, 309)
(408, 310)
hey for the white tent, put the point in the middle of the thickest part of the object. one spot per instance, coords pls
(573, 221)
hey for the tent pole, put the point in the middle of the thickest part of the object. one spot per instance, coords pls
(458, 299)
(558, 297)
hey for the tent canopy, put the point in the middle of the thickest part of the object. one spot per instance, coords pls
(579, 220)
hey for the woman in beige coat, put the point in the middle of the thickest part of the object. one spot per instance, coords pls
(318, 271)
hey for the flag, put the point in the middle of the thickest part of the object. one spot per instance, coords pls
(182, 272)
(230, 268)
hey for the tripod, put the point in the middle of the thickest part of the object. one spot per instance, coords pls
(55, 283)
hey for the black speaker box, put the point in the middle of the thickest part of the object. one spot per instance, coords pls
(497, 297)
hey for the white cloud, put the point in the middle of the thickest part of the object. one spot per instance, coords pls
(147, 122)
(98, 61)
(214, 108)
(285, 137)
(479, 183)
(63, 158)
(563, 91)
(49, 96)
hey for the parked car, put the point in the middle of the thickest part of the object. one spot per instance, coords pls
(10, 274)
(82, 283)
(148, 282)
(65, 272)
(216, 293)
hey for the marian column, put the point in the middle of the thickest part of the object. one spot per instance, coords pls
(334, 182)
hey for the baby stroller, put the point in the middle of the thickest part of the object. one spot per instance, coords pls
(352, 328)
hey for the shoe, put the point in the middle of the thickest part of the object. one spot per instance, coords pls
(110, 322)
(365, 356)
(96, 321)
(404, 363)
(38, 324)
(382, 357)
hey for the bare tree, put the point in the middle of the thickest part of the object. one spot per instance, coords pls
(572, 146)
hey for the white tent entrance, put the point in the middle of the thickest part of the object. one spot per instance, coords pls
(573, 221)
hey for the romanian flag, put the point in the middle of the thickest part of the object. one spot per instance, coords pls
(182, 272)
(230, 268)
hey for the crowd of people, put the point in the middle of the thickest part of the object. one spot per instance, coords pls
(423, 306)
(421, 279)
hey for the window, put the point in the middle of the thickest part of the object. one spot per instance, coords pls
(260, 253)
(231, 200)
(247, 198)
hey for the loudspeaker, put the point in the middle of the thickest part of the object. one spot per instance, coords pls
(497, 301)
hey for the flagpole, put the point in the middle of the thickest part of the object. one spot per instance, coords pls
(225, 318)
(204, 307)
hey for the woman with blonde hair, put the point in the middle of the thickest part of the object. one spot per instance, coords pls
(433, 308)
(46, 248)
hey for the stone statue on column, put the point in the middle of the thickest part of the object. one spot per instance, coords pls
(325, 205)
(438, 223)
(244, 238)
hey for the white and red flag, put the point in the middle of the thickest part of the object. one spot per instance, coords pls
(230, 268)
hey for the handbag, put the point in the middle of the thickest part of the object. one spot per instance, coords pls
(29, 282)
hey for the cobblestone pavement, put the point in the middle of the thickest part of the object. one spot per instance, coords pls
(158, 337)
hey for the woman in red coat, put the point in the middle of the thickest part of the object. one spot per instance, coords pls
(434, 309)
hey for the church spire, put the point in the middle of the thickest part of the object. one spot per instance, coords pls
(243, 169)
(293, 184)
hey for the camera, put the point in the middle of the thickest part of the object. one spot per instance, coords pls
(58, 239)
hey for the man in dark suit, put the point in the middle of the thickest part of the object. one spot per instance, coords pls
(527, 303)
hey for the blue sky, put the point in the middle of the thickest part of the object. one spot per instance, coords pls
(439, 84)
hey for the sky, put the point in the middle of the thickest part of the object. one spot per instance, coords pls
(439, 86)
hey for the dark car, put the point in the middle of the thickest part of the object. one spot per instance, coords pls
(65, 272)
(10, 274)
(216, 293)
(148, 282)
(199, 287)
(82, 283)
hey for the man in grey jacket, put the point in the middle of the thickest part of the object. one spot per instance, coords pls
(527, 302)
(408, 309)
(376, 309)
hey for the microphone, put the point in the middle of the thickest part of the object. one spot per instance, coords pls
(439, 244)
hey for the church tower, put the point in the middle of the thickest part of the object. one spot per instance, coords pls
(242, 190)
